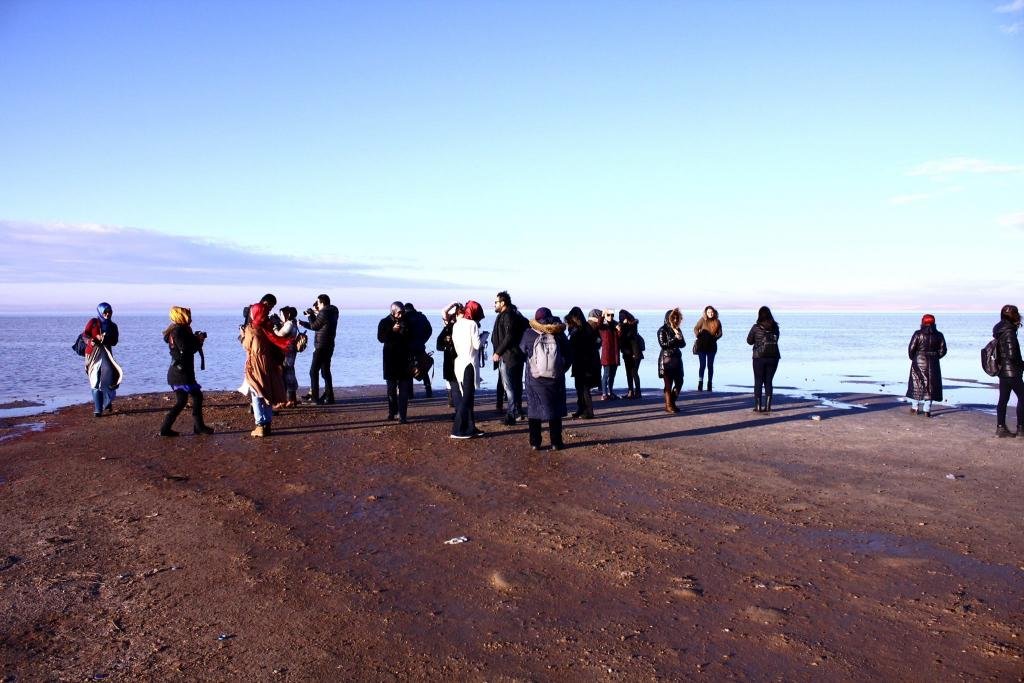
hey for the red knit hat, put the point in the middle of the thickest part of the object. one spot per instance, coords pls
(928, 319)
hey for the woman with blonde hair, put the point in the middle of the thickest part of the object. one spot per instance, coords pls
(706, 334)
(183, 345)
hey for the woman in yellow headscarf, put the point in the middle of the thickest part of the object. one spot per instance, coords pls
(183, 345)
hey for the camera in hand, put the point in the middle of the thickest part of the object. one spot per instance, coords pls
(309, 312)
(200, 335)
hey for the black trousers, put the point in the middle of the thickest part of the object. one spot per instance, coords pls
(1006, 386)
(632, 366)
(764, 373)
(584, 403)
(464, 423)
(554, 427)
(399, 391)
(181, 401)
(321, 365)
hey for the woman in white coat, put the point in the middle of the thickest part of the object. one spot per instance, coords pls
(466, 340)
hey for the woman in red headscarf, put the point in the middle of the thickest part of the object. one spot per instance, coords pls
(927, 346)
(466, 339)
(264, 364)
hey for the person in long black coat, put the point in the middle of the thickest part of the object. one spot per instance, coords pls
(1011, 368)
(670, 361)
(445, 345)
(545, 396)
(585, 348)
(927, 346)
(396, 336)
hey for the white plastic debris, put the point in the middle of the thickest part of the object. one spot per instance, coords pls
(456, 540)
(816, 418)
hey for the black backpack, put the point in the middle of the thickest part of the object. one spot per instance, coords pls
(990, 358)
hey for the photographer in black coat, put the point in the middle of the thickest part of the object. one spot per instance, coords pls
(421, 331)
(323, 319)
(394, 333)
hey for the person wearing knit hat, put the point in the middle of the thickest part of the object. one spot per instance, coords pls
(927, 346)
(547, 355)
(183, 345)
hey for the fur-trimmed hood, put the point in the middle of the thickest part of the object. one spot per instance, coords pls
(555, 327)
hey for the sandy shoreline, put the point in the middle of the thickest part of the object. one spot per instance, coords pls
(713, 543)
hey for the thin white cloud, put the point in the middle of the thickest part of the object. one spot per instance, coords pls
(961, 165)
(1012, 29)
(1012, 220)
(909, 198)
(47, 252)
(1011, 7)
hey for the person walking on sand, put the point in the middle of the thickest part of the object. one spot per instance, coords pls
(706, 334)
(608, 331)
(395, 335)
(764, 338)
(323, 319)
(466, 339)
(263, 379)
(1011, 369)
(927, 346)
(509, 326)
(447, 348)
(548, 354)
(289, 329)
(105, 375)
(631, 345)
(670, 360)
(183, 344)
(585, 358)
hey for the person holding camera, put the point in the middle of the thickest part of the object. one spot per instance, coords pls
(289, 329)
(395, 335)
(183, 345)
(323, 319)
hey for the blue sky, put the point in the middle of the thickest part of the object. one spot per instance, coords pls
(815, 155)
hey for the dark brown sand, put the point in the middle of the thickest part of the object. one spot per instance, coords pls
(714, 544)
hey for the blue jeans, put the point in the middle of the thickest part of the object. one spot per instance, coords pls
(608, 379)
(261, 410)
(512, 382)
(706, 360)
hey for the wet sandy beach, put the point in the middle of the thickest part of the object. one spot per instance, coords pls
(716, 543)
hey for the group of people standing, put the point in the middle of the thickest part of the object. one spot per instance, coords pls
(533, 357)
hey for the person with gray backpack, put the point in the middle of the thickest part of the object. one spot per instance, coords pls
(547, 354)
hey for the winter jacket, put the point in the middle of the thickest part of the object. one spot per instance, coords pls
(631, 344)
(927, 346)
(445, 345)
(609, 343)
(506, 334)
(670, 360)
(765, 340)
(93, 329)
(397, 348)
(545, 396)
(325, 324)
(420, 330)
(706, 334)
(585, 353)
(183, 346)
(1008, 350)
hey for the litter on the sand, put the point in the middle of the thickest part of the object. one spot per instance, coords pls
(954, 476)
(816, 418)
(456, 540)
(641, 455)
(225, 636)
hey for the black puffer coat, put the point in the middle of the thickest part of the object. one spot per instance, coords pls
(183, 346)
(325, 324)
(1008, 350)
(670, 360)
(927, 346)
(585, 351)
(445, 345)
(631, 344)
(765, 340)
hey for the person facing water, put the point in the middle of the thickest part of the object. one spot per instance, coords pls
(466, 339)
(263, 372)
(585, 359)
(764, 338)
(927, 346)
(545, 381)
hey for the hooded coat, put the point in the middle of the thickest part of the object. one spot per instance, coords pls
(927, 346)
(585, 348)
(631, 344)
(1008, 350)
(670, 360)
(264, 356)
(545, 396)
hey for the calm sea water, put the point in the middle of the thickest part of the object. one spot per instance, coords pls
(822, 353)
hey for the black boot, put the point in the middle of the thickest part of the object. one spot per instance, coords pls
(700, 385)
(757, 404)
(768, 405)
(1003, 433)
(709, 385)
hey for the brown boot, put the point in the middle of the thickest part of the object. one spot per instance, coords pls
(668, 401)
(674, 396)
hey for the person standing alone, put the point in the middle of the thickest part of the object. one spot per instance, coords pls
(323, 319)
(927, 346)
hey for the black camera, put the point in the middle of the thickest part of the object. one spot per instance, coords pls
(200, 335)
(309, 312)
